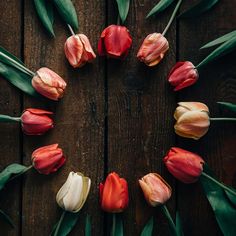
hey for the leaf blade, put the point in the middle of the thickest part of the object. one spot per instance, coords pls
(222, 50)
(67, 224)
(159, 7)
(228, 105)
(44, 10)
(6, 218)
(220, 40)
(68, 13)
(224, 211)
(10, 170)
(20, 80)
(123, 7)
(148, 228)
(199, 8)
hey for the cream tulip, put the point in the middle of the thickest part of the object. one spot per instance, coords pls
(74, 192)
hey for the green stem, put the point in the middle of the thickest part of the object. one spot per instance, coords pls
(223, 118)
(219, 184)
(170, 220)
(15, 176)
(71, 30)
(113, 224)
(59, 223)
(172, 17)
(18, 65)
(4, 118)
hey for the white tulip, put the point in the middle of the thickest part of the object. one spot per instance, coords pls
(74, 192)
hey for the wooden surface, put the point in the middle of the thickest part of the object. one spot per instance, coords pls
(115, 116)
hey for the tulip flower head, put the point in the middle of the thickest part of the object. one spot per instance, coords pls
(153, 49)
(114, 195)
(115, 42)
(192, 119)
(184, 165)
(36, 121)
(49, 84)
(48, 159)
(74, 192)
(155, 189)
(182, 75)
(78, 50)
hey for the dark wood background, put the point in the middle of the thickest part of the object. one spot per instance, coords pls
(115, 116)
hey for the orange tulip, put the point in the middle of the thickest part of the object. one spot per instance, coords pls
(153, 49)
(192, 119)
(114, 195)
(155, 189)
(78, 50)
(49, 84)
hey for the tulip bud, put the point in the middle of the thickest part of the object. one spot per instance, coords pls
(78, 50)
(184, 165)
(155, 189)
(48, 159)
(153, 49)
(182, 75)
(192, 119)
(74, 192)
(36, 121)
(49, 84)
(115, 42)
(114, 195)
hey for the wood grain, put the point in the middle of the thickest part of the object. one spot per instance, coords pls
(79, 119)
(216, 83)
(10, 104)
(140, 107)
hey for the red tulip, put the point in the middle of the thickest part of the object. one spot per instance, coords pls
(155, 189)
(48, 159)
(114, 194)
(153, 49)
(36, 121)
(182, 75)
(115, 42)
(49, 84)
(184, 165)
(78, 50)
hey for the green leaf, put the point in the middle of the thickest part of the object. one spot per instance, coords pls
(9, 171)
(161, 6)
(44, 10)
(117, 225)
(67, 12)
(222, 50)
(21, 80)
(224, 210)
(220, 40)
(66, 225)
(6, 218)
(88, 226)
(199, 8)
(179, 228)
(148, 228)
(123, 7)
(228, 105)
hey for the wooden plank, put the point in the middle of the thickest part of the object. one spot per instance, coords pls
(216, 83)
(140, 107)
(79, 119)
(10, 103)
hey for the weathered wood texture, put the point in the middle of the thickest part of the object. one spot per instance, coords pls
(115, 116)
(10, 104)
